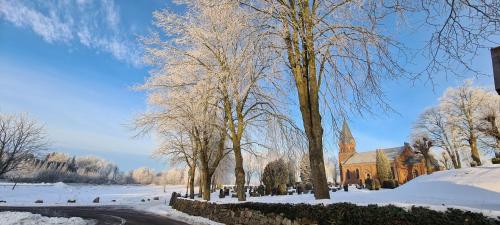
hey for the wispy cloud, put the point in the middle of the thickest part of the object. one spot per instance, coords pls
(94, 24)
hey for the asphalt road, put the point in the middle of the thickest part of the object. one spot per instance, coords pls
(104, 215)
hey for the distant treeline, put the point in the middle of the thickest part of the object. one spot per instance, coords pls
(60, 167)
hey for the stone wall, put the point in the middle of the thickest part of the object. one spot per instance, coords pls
(340, 214)
(235, 215)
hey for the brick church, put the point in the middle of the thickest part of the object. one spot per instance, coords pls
(356, 167)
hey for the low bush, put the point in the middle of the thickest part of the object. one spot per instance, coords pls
(376, 184)
(495, 160)
(389, 184)
(369, 184)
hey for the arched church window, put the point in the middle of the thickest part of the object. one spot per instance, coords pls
(348, 174)
(357, 173)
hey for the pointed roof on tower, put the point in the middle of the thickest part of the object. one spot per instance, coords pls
(345, 134)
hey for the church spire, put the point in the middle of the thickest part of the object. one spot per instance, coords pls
(345, 134)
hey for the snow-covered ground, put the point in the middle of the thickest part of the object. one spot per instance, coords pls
(58, 194)
(475, 189)
(26, 218)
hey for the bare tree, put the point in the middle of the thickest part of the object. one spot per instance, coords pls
(21, 138)
(223, 44)
(489, 123)
(251, 166)
(459, 29)
(460, 121)
(466, 104)
(334, 49)
(437, 126)
(176, 146)
(445, 160)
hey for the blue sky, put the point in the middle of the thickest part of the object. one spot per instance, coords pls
(71, 65)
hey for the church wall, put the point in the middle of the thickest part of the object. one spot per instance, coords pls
(401, 173)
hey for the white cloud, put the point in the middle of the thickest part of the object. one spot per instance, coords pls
(98, 25)
(48, 26)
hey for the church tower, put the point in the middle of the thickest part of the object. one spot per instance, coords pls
(347, 145)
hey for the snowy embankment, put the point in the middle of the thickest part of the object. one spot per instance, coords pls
(138, 197)
(26, 218)
(475, 189)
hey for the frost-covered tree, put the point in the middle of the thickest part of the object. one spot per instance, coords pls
(383, 167)
(21, 138)
(219, 42)
(143, 175)
(463, 123)
(57, 157)
(251, 166)
(176, 146)
(467, 105)
(439, 127)
(305, 169)
(331, 169)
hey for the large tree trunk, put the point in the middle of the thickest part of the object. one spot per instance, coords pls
(205, 183)
(299, 40)
(312, 124)
(454, 159)
(192, 172)
(200, 190)
(428, 163)
(473, 149)
(239, 172)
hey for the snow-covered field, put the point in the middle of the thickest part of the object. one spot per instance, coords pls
(475, 189)
(26, 218)
(58, 194)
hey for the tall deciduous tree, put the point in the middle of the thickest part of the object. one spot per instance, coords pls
(462, 121)
(225, 44)
(335, 49)
(440, 129)
(466, 105)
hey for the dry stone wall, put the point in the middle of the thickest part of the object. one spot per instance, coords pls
(339, 214)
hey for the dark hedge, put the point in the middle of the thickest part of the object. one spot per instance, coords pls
(350, 214)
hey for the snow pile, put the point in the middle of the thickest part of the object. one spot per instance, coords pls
(166, 210)
(26, 218)
(475, 189)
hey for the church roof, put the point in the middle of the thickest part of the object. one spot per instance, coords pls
(371, 156)
(345, 134)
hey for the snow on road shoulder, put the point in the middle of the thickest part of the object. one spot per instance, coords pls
(26, 218)
(165, 210)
